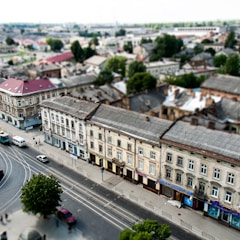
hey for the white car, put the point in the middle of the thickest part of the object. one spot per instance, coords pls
(42, 158)
(175, 203)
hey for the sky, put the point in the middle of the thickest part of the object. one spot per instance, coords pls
(117, 11)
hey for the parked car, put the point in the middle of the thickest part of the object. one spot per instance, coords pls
(42, 158)
(65, 215)
(175, 203)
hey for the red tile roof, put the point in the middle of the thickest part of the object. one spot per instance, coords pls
(24, 87)
(61, 57)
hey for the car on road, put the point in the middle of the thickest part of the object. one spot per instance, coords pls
(65, 215)
(42, 158)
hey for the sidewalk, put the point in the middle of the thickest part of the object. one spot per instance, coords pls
(191, 220)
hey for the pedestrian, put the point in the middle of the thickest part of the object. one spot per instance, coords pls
(44, 237)
(69, 227)
(1, 219)
(6, 216)
(57, 222)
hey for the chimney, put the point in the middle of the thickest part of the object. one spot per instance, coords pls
(147, 119)
(211, 125)
(194, 121)
(176, 92)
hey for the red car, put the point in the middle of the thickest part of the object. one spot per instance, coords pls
(65, 215)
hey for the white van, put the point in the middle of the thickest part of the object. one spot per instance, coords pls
(19, 141)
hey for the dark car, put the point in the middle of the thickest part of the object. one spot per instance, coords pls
(1, 174)
(65, 215)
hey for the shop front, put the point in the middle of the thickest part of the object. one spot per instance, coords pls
(227, 216)
(177, 193)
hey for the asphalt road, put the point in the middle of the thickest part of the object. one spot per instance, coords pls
(101, 214)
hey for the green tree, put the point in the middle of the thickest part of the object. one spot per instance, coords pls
(117, 64)
(121, 32)
(128, 47)
(88, 52)
(135, 67)
(232, 65)
(211, 51)
(146, 40)
(198, 48)
(94, 41)
(147, 230)
(188, 80)
(104, 77)
(140, 82)
(219, 60)
(77, 51)
(55, 44)
(166, 46)
(231, 40)
(41, 195)
(10, 41)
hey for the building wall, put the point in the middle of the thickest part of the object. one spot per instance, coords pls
(203, 172)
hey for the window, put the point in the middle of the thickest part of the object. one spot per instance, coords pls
(140, 164)
(190, 164)
(203, 169)
(216, 173)
(19, 103)
(189, 182)
(30, 101)
(20, 115)
(67, 122)
(169, 157)
(72, 124)
(179, 160)
(43, 97)
(140, 151)
(68, 133)
(57, 118)
(91, 145)
(99, 136)
(152, 169)
(214, 191)
(109, 151)
(228, 197)
(62, 120)
(45, 114)
(168, 173)
(152, 155)
(91, 133)
(80, 138)
(109, 139)
(129, 147)
(230, 178)
(52, 116)
(63, 131)
(179, 178)
(129, 159)
(119, 143)
(201, 187)
(80, 127)
(119, 156)
(100, 148)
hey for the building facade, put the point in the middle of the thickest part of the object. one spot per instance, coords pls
(200, 168)
(64, 124)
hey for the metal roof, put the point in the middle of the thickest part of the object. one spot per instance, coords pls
(215, 141)
(131, 123)
(69, 105)
(223, 83)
